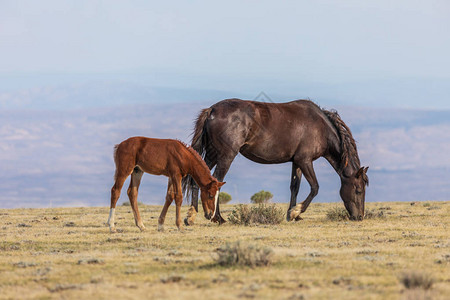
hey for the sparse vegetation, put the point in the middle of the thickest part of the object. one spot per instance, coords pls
(341, 214)
(224, 198)
(243, 254)
(311, 259)
(256, 214)
(127, 203)
(337, 214)
(261, 197)
(417, 280)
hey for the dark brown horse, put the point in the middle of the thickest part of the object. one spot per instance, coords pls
(270, 133)
(171, 158)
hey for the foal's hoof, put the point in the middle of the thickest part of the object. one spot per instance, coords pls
(112, 230)
(160, 228)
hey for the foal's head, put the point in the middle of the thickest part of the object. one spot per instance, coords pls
(353, 193)
(210, 198)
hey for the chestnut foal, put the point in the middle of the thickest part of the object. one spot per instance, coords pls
(171, 158)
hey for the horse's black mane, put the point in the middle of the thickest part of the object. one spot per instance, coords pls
(349, 152)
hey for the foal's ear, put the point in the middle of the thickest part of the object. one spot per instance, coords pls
(221, 184)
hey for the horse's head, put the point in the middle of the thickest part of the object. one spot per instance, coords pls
(210, 197)
(353, 193)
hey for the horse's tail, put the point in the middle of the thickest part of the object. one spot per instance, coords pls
(348, 144)
(198, 143)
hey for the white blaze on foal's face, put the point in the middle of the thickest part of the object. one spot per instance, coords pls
(216, 200)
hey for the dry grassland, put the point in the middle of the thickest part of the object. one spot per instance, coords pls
(69, 253)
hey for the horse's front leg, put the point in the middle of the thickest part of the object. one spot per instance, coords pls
(308, 171)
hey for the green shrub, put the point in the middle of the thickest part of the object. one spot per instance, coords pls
(261, 197)
(224, 198)
(238, 253)
(260, 214)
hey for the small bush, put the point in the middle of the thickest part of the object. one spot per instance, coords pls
(261, 197)
(260, 214)
(337, 214)
(224, 198)
(237, 253)
(414, 280)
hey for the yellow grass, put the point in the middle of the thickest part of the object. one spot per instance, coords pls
(69, 253)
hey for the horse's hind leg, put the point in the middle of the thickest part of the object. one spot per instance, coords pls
(293, 212)
(310, 176)
(133, 194)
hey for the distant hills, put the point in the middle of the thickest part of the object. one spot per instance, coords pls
(56, 146)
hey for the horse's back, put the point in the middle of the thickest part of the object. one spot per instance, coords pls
(269, 132)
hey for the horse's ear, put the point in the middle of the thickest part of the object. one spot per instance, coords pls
(360, 172)
(221, 184)
(365, 169)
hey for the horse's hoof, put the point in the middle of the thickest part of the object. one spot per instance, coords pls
(160, 228)
(112, 230)
(142, 228)
(298, 218)
(294, 213)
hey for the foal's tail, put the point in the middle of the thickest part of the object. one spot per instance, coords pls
(115, 160)
(199, 143)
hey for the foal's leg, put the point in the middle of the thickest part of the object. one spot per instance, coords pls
(115, 194)
(169, 198)
(132, 192)
(308, 172)
(296, 176)
(178, 200)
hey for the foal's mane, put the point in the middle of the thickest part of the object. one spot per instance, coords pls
(349, 152)
(196, 155)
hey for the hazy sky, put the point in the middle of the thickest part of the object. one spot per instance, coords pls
(225, 44)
